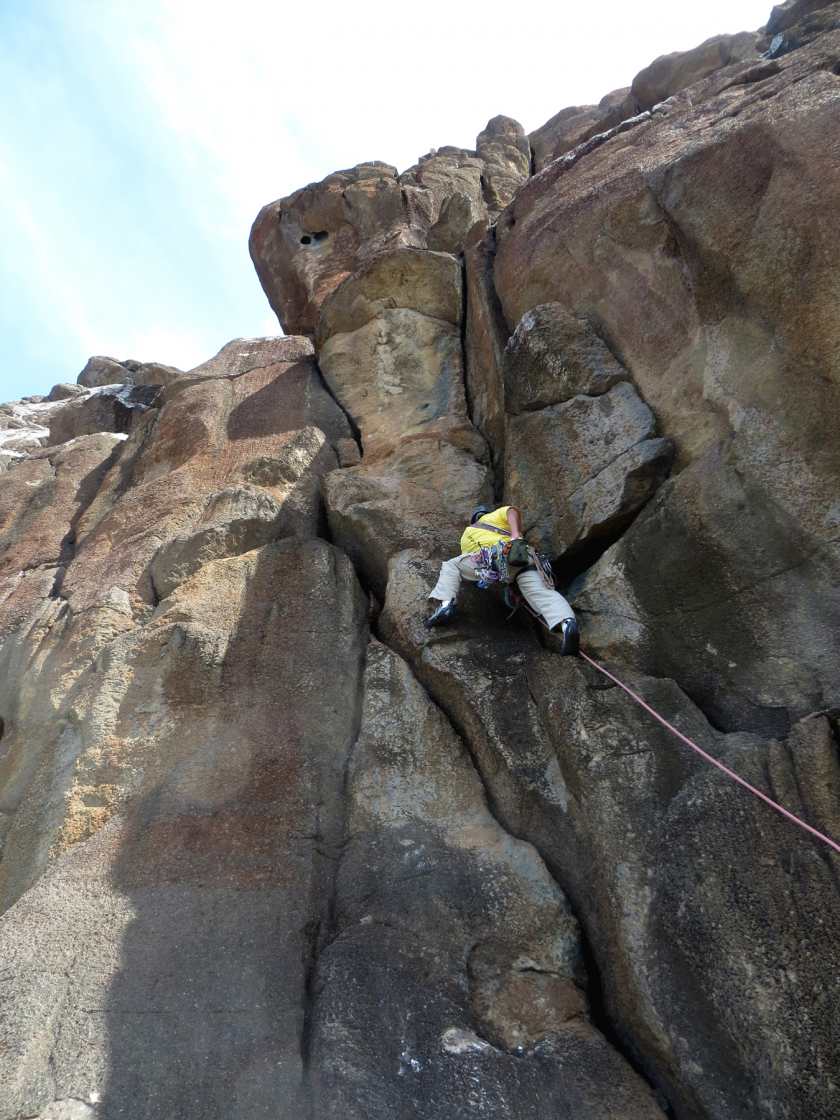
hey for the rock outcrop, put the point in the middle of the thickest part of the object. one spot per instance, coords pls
(101, 370)
(303, 246)
(268, 846)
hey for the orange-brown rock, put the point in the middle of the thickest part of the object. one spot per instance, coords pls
(390, 349)
(270, 430)
(303, 246)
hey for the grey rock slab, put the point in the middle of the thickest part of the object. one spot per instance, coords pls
(695, 896)
(717, 586)
(181, 825)
(557, 460)
(552, 357)
(453, 982)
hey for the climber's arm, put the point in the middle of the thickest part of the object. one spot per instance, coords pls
(515, 523)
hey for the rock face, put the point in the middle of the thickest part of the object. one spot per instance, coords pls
(303, 246)
(270, 847)
(101, 371)
(583, 467)
(390, 349)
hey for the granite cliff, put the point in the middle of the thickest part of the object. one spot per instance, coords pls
(269, 846)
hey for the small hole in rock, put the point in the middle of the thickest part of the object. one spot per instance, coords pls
(306, 239)
(322, 235)
(2, 727)
(835, 69)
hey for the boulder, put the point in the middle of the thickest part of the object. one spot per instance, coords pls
(110, 410)
(506, 151)
(65, 392)
(491, 988)
(304, 245)
(451, 179)
(427, 283)
(553, 357)
(151, 373)
(675, 72)
(579, 123)
(545, 139)
(458, 214)
(244, 354)
(101, 370)
(581, 469)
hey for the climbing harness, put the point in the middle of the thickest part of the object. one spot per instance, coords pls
(709, 758)
(506, 561)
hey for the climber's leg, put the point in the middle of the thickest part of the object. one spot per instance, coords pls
(550, 604)
(451, 574)
(448, 584)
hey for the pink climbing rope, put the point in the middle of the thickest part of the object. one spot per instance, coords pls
(709, 758)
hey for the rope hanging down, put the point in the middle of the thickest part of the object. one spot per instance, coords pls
(709, 758)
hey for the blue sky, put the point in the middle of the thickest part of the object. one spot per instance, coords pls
(138, 140)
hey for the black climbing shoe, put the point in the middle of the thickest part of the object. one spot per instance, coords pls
(443, 614)
(571, 638)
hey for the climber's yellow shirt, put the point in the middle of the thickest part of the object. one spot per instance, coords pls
(475, 538)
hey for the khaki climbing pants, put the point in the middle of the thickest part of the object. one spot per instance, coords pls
(550, 604)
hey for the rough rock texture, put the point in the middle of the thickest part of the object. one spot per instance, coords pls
(270, 847)
(101, 370)
(244, 354)
(675, 72)
(574, 126)
(390, 349)
(111, 410)
(691, 891)
(303, 246)
(582, 468)
(553, 357)
(485, 337)
(720, 582)
(434, 899)
(162, 963)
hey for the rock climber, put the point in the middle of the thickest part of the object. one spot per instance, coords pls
(488, 555)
